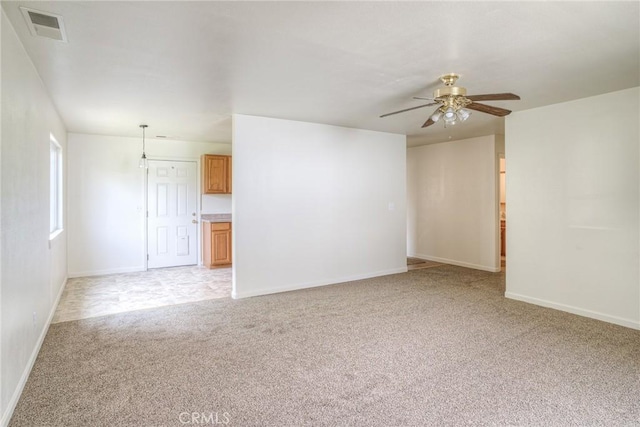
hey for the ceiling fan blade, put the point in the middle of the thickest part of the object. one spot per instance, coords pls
(501, 112)
(408, 109)
(429, 122)
(494, 97)
(421, 97)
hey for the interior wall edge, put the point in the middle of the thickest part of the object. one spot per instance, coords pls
(308, 285)
(489, 268)
(629, 323)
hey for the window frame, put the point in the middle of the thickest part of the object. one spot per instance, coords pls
(56, 223)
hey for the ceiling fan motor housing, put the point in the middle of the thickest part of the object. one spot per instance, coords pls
(449, 91)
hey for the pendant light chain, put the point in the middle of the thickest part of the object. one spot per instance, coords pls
(143, 160)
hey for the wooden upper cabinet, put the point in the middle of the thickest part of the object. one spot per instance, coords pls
(216, 174)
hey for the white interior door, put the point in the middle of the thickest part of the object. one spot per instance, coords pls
(172, 225)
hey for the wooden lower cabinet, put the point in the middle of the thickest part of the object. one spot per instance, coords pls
(216, 241)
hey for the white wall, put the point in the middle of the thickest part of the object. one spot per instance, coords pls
(573, 215)
(311, 204)
(452, 199)
(32, 271)
(107, 199)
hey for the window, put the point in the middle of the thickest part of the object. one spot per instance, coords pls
(55, 188)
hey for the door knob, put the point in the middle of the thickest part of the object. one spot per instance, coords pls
(195, 221)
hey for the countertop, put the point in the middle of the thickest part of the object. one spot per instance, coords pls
(216, 217)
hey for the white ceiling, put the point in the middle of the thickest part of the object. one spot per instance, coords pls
(184, 67)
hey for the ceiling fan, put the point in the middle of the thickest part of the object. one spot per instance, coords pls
(455, 104)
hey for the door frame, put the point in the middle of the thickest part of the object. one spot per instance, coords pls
(501, 156)
(145, 248)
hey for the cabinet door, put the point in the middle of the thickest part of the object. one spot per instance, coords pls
(221, 244)
(216, 173)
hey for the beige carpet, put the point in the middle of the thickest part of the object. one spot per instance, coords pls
(418, 263)
(415, 261)
(437, 346)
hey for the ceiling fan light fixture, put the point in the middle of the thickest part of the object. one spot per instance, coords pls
(463, 114)
(450, 115)
(455, 105)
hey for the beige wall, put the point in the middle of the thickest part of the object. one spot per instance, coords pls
(315, 204)
(573, 206)
(452, 191)
(33, 269)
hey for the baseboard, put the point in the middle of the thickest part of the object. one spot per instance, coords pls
(629, 323)
(89, 273)
(308, 285)
(11, 406)
(458, 263)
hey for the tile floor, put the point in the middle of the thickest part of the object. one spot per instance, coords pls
(86, 297)
(95, 296)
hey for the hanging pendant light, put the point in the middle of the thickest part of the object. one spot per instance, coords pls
(144, 163)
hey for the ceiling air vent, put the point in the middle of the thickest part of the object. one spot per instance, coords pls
(44, 24)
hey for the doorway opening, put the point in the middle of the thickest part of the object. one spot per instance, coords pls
(503, 214)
